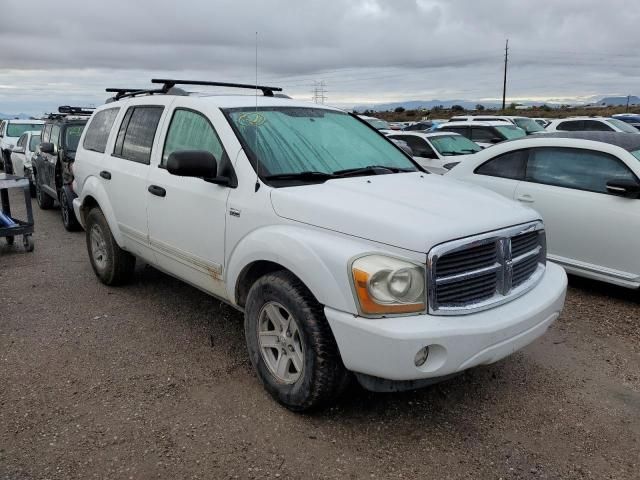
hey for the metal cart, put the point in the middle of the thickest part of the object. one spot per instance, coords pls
(19, 227)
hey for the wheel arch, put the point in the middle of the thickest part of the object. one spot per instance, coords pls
(93, 195)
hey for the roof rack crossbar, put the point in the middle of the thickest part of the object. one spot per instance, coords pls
(168, 84)
(69, 110)
(132, 92)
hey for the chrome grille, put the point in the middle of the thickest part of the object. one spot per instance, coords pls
(483, 271)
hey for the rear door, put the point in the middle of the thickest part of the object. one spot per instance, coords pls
(125, 170)
(51, 159)
(503, 173)
(586, 225)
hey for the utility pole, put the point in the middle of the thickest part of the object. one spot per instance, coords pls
(628, 97)
(504, 84)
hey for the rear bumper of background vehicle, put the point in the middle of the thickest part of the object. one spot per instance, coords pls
(386, 348)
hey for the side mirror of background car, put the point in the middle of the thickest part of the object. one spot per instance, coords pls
(624, 188)
(196, 163)
(47, 147)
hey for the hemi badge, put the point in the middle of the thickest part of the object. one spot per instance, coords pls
(234, 212)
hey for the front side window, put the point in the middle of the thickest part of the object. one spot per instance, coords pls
(17, 129)
(99, 129)
(72, 136)
(574, 168)
(419, 147)
(55, 135)
(453, 145)
(299, 139)
(136, 134)
(511, 132)
(34, 142)
(22, 140)
(510, 165)
(636, 153)
(190, 130)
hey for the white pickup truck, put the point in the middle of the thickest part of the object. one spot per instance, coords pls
(345, 257)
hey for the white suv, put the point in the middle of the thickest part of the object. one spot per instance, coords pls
(10, 131)
(342, 253)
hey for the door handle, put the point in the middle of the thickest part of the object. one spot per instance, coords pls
(156, 190)
(106, 175)
(525, 198)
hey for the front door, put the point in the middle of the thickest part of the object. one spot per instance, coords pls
(187, 215)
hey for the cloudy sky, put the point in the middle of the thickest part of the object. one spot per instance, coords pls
(366, 51)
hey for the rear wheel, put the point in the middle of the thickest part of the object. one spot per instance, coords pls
(291, 345)
(45, 202)
(69, 219)
(112, 265)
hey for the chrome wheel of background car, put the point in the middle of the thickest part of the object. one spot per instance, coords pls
(98, 247)
(280, 343)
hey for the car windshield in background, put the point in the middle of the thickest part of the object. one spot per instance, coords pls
(34, 142)
(528, 125)
(72, 136)
(511, 132)
(625, 127)
(454, 145)
(17, 129)
(378, 124)
(636, 153)
(295, 140)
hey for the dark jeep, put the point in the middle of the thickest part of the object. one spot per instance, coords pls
(53, 161)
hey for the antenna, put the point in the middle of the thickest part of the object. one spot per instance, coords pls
(256, 123)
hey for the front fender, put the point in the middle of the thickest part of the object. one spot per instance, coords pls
(93, 188)
(318, 258)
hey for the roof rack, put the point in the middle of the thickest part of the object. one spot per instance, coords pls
(132, 92)
(69, 110)
(170, 83)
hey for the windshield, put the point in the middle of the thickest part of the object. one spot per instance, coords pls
(17, 129)
(636, 153)
(296, 139)
(528, 125)
(34, 142)
(72, 136)
(454, 145)
(377, 123)
(511, 131)
(625, 127)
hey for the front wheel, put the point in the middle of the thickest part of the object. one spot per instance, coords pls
(291, 345)
(112, 265)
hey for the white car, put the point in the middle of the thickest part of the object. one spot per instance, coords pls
(10, 132)
(343, 255)
(438, 152)
(484, 134)
(595, 124)
(529, 125)
(586, 187)
(381, 125)
(22, 154)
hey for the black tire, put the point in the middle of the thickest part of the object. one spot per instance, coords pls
(323, 376)
(116, 265)
(69, 219)
(45, 202)
(8, 166)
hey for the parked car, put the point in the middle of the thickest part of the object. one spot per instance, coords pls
(527, 124)
(22, 154)
(585, 185)
(10, 132)
(632, 119)
(484, 134)
(342, 253)
(438, 152)
(381, 125)
(543, 122)
(53, 161)
(595, 124)
(421, 126)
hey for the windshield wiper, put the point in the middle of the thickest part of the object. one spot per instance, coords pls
(303, 176)
(450, 152)
(370, 169)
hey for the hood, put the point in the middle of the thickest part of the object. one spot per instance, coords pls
(414, 211)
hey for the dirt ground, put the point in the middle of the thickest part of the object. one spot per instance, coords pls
(152, 380)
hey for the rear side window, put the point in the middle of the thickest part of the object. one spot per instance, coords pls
(481, 134)
(190, 130)
(595, 125)
(98, 130)
(136, 134)
(573, 126)
(510, 165)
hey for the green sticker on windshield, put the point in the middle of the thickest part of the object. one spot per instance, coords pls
(251, 119)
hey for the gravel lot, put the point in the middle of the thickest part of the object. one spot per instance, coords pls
(152, 381)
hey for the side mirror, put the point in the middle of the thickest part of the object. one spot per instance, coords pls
(624, 188)
(47, 147)
(496, 140)
(196, 163)
(18, 150)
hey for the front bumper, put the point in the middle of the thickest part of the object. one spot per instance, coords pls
(386, 348)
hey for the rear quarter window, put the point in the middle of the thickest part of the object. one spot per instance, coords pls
(98, 130)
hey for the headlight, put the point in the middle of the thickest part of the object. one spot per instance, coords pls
(387, 285)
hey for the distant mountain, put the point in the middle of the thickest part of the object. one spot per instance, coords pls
(619, 101)
(21, 116)
(429, 104)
